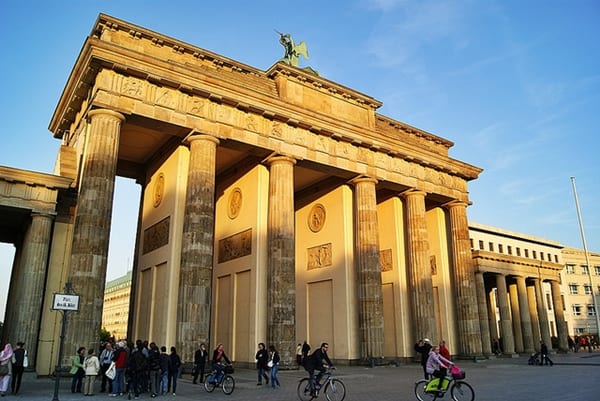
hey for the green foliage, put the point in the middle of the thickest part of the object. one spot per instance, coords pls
(104, 335)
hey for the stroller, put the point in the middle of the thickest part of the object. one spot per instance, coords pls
(534, 359)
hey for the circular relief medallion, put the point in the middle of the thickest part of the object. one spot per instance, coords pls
(159, 189)
(316, 218)
(235, 203)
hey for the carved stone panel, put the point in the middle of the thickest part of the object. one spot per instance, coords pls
(156, 236)
(319, 256)
(235, 246)
(385, 257)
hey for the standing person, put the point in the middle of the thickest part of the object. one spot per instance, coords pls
(7, 358)
(18, 367)
(444, 350)
(77, 370)
(437, 365)
(545, 359)
(154, 369)
(217, 362)
(262, 359)
(305, 351)
(120, 359)
(200, 363)
(423, 347)
(91, 367)
(106, 358)
(164, 369)
(137, 365)
(299, 354)
(174, 365)
(319, 360)
(274, 364)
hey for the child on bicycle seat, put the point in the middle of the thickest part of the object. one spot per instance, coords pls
(437, 365)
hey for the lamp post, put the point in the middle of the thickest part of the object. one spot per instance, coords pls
(63, 302)
(587, 258)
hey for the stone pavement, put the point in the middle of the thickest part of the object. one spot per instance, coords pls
(573, 377)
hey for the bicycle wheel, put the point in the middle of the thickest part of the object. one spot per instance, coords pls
(462, 391)
(304, 390)
(228, 384)
(420, 393)
(208, 386)
(335, 390)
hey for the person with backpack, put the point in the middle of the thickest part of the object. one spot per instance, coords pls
(154, 368)
(174, 365)
(137, 366)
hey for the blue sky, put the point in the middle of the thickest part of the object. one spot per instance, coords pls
(514, 84)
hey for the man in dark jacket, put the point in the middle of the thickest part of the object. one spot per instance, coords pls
(423, 347)
(319, 360)
(200, 363)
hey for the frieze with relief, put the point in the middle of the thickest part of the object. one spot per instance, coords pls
(156, 236)
(235, 246)
(385, 258)
(319, 256)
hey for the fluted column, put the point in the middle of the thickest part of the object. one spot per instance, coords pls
(525, 316)
(419, 270)
(542, 313)
(197, 247)
(281, 282)
(535, 322)
(368, 269)
(91, 232)
(493, 323)
(559, 317)
(463, 272)
(30, 286)
(508, 339)
(486, 340)
(516, 317)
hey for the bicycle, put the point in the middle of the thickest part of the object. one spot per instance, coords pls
(460, 390)
(334, 389)
(224, 379)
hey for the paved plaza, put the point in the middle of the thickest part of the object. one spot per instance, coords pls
(573, 377)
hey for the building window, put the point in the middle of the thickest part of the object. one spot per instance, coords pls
(570, 269)
(509, 250)
(526, 253)
(579, 330)
(549, 302)
(584, 269)
(597, 270)
(591, 310)
(549, 258)
(472, 247)
(481, 246)
(576, 310)
(555, 258)
(573, 289)
(587, 289)
(518, 251)
(500, 248)
(534, 254)
(491, 247)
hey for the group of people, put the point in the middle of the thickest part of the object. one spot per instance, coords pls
(12, 365)
(435, 360)
(267, 361)
(125, 367)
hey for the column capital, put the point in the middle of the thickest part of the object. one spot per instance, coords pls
(413, 192)
(115, 114)
(195, 136)
(363, 178)
(279, 158)
(456, 203)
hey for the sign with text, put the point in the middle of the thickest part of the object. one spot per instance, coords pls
(66, 302)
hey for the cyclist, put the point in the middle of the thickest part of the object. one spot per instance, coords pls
(217, 364)
(437, 365)
(319, 360)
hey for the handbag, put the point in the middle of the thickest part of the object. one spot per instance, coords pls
(25, 360)
(3, 370)
(111, 372)
(270, 363)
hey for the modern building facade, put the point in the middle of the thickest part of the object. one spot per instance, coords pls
(115, 311)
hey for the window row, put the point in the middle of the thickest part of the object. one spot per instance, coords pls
(578, 310)
(517, 251)
(570, 269)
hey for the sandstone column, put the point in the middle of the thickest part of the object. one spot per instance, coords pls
(31, 283)
(368, 269)
(281, 269)
(525, 316)
(508, 340)
(542, 313)
(419, 270)
(516, 317)
(195, 271)
(486, 340)
(492, 318)
(559, 316)
(535, 322)
(463, 274)
(92, 228)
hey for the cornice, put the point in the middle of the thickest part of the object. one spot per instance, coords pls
(34, 178)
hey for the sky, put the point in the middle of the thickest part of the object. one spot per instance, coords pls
(515, 85)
